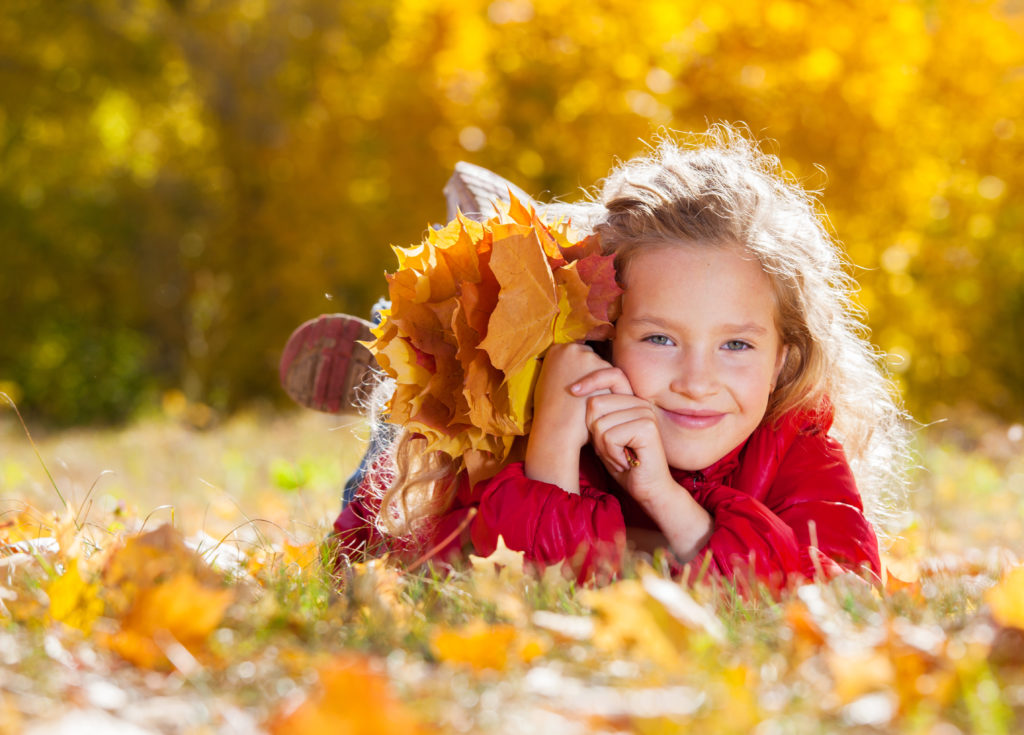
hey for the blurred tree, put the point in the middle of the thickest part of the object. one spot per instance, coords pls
(183, 181)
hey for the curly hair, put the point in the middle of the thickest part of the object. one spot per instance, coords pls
(718, 189)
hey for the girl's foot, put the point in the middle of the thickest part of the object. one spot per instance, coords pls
(324, 367)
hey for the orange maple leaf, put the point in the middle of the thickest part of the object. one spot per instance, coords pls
(352, 698)
(162, 593)
(473, 307)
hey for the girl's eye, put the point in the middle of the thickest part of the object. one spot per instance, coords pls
(735, 345)
(658, 339)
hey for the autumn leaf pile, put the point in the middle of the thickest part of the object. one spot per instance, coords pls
(473, 309)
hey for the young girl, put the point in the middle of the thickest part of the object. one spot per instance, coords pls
(711, 428)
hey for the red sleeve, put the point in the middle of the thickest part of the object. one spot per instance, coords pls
(550, 525)
(747, 539)
(816, 495)
(810, 521)
(356, 536)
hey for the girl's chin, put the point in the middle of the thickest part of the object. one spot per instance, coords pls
(692, 457)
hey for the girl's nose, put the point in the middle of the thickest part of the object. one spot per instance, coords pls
(696, 377)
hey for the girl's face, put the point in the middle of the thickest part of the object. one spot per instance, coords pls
(697, 338)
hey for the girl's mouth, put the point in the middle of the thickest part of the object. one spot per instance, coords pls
(694, 419)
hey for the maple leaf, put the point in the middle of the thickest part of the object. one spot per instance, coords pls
(502, 560)
(482, 646)
(180, 610)
(519, 327)
(351, 697)
(161, 593)
(575, 320)
(479, 645)
(473, 307)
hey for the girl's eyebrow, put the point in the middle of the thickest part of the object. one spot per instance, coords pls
(748, 328)
(752, 328)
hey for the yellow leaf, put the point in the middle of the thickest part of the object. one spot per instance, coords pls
(859, 674)
(378, 585)
(161, 591)
(480, 645)
(73, 601)
(1007, 598)
(501, 560)
(302, 555)
(630, 620)
(520, 386)
(575, 321)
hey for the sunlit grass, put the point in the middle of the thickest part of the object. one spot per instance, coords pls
(469, 651)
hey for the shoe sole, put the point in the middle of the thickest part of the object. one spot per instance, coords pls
(323, 367)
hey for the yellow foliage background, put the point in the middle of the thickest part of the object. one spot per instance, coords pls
(182, 182)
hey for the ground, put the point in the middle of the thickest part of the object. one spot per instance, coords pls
(163, 578)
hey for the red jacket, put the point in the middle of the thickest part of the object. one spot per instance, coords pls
(783, 504)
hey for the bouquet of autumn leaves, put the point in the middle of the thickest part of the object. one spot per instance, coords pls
(473, 309)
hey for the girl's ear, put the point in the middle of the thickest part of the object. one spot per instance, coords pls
(780, 362)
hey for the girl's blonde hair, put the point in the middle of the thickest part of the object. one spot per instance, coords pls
(719, 189)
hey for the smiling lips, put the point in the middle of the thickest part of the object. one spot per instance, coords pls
(694, 419)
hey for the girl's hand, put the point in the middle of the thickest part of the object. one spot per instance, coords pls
(559, 427)
(625, 435)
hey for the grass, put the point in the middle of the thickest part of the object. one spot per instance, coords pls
(102, 631)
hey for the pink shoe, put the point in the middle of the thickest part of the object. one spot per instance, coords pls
(323, 367)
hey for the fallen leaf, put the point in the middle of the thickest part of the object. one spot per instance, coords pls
(858, 674)
(301, 555)
(479, 645)
(629, 620)
(350, 698)
(1006, 598)
(73, 600)
(181, 610)
(161, 593)
(502, 561)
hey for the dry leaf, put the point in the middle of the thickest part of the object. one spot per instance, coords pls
(504, 561)
(1007, 598)
(351, 698)
(378, 585)
(162, 594)
(180, 610)
(630, 620)
(472, 308)
(480, 645)
(520, 325)
(73, 601)
(301, 555)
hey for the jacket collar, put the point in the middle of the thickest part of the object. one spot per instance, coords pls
(716, 473)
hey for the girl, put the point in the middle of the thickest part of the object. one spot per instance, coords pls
(712, 426)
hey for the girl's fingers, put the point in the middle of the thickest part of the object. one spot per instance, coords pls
(607, 379)
(621, 429)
